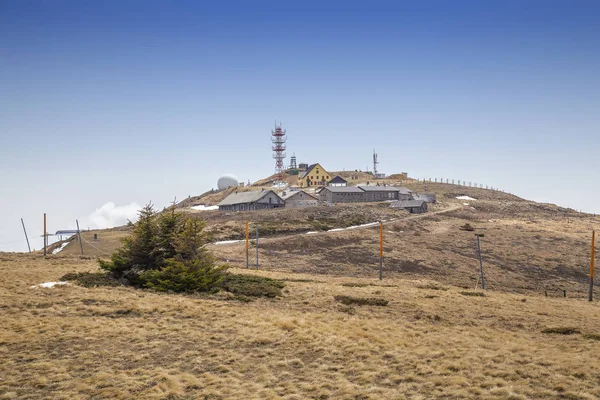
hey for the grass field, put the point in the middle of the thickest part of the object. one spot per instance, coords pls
(430, 341)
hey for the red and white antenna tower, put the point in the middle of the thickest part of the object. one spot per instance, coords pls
(278, 139)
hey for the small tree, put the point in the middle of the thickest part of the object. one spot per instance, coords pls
(166, 252)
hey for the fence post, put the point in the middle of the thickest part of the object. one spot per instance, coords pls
(591, 297)
(380, 250)
(25, 232)
(79, 237)
(257, 247)
(45, 236)
(247, 245)
(480, 261)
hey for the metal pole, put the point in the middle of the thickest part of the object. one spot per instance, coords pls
(79, 237)
(592, 268)
(45, 235)
(247, 245)
(380, 250)
(257, 247)
(480, 262)
(25, 232)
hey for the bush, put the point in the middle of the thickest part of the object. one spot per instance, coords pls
(166, 252)
(90, 279)
(252, 285)
(178, 276)
(360, 301)
(475, 294)
(562, 331)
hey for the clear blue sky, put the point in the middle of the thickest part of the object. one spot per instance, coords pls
(131, 101)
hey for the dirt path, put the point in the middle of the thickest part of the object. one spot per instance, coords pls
(334, 231)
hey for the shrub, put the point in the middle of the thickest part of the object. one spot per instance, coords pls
(179, 276)
(90, 279)
(166, 252)
(475, 294)
(361, 301)
(592, 336)
(252, 285)
(562, 331)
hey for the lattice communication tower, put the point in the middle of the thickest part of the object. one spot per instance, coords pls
(278, 138)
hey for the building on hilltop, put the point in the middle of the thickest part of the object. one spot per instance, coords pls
(343, 194)
(299, 199)
(355, 194)
(251, 201)
(381, 193)
(337, 181)
(315, 175)
(412, 206)
(428, 197)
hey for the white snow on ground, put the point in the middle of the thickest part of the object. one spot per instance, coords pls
(229, 241)
(465, 204)
(311, 233)
(465, 198)
(59, 249)
(364, 225)
(49, 284)
(336, 230)
(202, 207)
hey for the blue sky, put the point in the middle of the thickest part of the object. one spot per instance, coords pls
(128, 102)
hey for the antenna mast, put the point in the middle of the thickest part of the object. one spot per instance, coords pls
(278, 139)
(375, 162)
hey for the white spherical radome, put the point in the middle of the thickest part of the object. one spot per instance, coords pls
(227, 181)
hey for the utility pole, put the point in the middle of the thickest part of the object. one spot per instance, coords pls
(380, 250)
(79, 237)
(592, 269)
(45, 236)
(480, 235)
(25, 232)
(257, 247)
(247, 247)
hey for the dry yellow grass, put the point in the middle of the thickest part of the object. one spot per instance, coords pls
(431, 341)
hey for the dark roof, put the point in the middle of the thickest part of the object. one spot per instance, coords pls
(245, 197)
(296, 192)
(373, 188)
(430, 198)
(343, 189)
(338, 179)
(311, 166)
(407, 203)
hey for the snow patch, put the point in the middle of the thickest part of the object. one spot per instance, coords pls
(202, 207)
(466, 198)
(49, 284)
(60, 248)
(229, 241)
(465, 204)
(311, 233)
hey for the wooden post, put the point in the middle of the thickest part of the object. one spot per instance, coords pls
(257, 247)
(380, 250)
(591, 297)
(247, 245)
(480, 261)
(79, 237)
(45, 236)
(25, 232)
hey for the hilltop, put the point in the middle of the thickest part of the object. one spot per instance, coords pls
(527, 246)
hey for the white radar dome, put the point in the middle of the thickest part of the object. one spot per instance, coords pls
(227, 181)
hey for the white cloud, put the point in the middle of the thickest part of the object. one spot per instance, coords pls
(111, 215)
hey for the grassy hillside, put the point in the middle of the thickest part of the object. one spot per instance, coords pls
(429, 341)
